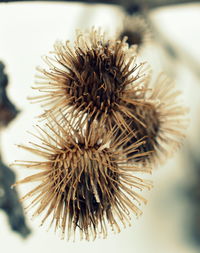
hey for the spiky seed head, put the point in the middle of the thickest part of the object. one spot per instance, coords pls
(136, 29)
(164, 122)
(85, 181)
(97, 77)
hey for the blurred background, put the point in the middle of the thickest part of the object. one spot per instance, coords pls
(169, 39)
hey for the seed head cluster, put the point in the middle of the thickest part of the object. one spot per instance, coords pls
(104, 123)
(137, 30)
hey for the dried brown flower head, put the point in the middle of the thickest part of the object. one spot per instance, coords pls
(136, 29)
(164, 121)
(85, 181)
(95, 77)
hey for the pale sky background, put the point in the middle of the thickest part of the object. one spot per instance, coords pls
(28, 31)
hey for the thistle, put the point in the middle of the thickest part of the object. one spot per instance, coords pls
(164, 122)
(136, 29)
(95, 79)
(85, 181)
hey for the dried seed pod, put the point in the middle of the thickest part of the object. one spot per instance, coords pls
(136, 29)
(85, 181)
(95, 77)
(164, 121)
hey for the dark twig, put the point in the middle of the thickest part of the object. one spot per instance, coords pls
(7, 110)
(175, 51)
(9, 201)
(129, 5)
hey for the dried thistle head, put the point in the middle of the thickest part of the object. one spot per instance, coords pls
(164, 122)
(136, 29)
(85, 181)
(97, 77)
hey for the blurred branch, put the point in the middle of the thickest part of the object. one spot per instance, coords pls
(175, 51)
(7, 110)
(9, 201)
(192, 193)
(129, 5)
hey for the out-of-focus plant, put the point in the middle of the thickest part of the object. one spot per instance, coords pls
(9, 200)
